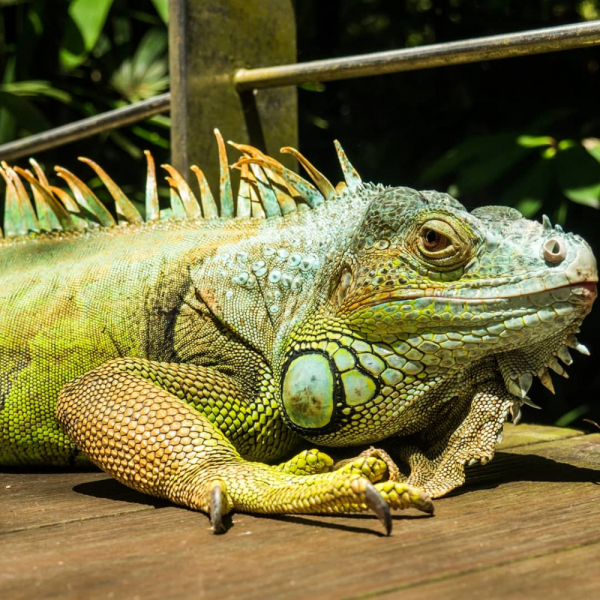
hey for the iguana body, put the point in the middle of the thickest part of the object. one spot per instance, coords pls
(180, 349)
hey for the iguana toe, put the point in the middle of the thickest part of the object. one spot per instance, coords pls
(402, 495)
(218, 507)
(379, 506)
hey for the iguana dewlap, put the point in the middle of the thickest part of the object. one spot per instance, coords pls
(187, 350)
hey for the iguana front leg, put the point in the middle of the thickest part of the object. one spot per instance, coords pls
(126, 416)
(438, 465)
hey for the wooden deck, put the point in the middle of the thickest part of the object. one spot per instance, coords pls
(525, 526)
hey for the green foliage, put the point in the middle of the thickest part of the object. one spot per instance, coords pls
(85, 22)
(145, 74)
(532, 171)
(162, 8)
(65, 60)
(570, 417)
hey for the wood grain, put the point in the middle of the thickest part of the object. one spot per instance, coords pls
(558, 575)
(533, 505)
(32, 500)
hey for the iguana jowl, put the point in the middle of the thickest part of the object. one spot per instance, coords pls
(183, 352)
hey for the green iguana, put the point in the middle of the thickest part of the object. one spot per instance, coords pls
(187, 351)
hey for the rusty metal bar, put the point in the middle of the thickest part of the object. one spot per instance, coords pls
(539, 41)
(79, 130)
(566, 37)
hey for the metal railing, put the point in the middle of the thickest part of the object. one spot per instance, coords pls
(495, 47)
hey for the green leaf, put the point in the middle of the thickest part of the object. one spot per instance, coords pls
(579, 176)
(26, 114)
(566, 144)
(8, 122)
(84, 25)
(560, 214)
(162, 8)
(151, 136)
(161, 121)
(481, 152)
(33, 88)
(528, 207)
(132, 149)
(151, 48)
(493, 161)
(572, 415)
(527, 193)
(8, 126)
(479, 160)
(534, 141)
(145, 74)
(315, 86)
(592, 145)
(454, 158)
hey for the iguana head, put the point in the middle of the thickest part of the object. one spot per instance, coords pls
(426, 292)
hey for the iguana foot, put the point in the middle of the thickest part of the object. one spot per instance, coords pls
(308, 462)
(393, 472)
(152, 441)
(441, 467)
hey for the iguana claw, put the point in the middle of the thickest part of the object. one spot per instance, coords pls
(379, 506)
(217, 502)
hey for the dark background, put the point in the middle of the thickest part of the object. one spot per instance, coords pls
(523, 132)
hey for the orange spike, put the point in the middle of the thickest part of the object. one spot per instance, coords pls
(225, 186)
(14, 220)
(244, 199)
(209, 206)
(86, 198)
(302, 187)
(351, 175)
(63, 217)
(320, 180)
(27, 211)
(177, 206)
(125, 209)
(190, 202)
(40, 173)
(152, 206)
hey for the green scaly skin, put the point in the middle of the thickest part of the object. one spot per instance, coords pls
(183, 356)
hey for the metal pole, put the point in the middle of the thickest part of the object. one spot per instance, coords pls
(79, 130)
(538, 41)
(208, 42)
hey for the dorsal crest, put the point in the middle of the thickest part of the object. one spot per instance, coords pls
(267, 189)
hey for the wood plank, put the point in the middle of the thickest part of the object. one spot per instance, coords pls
(531, 500)
(29, 500)
(526, 434)
(558, 575)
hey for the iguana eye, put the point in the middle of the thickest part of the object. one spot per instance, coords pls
(433, 240)
(437, 239)
(442, 244)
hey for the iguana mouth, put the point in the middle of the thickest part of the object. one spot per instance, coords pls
(589, 289)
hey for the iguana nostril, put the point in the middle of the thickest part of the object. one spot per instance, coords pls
(555, 250)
